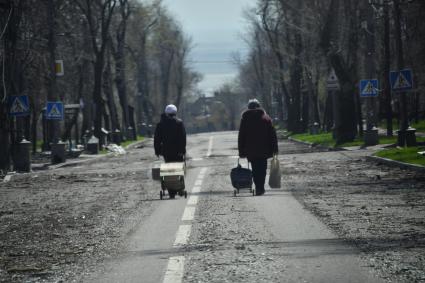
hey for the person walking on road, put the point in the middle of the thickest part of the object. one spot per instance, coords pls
(170, 136)
(257, 142)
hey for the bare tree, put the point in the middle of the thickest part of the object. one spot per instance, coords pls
(98, 14)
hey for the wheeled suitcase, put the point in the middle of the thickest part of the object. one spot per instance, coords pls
(241, 178)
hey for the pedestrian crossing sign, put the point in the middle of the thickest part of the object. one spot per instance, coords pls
(401, 80)
(369, 88)
(54, 111)
(19, 105)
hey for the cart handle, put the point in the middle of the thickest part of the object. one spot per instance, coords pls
(239, 164)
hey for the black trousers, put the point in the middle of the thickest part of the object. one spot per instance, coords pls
(259, 171)
(175, 158)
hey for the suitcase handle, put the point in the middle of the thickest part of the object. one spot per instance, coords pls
(239, 164)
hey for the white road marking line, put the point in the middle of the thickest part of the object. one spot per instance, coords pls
(197, 159)
(210, 145)
(182, 236)
(193, 200)
(196, 189)
(175, 268)
(189, 213)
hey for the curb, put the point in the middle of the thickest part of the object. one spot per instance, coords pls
(9, 176)
(138, 143)
(97, 158)
(394, 163)
(315, 145)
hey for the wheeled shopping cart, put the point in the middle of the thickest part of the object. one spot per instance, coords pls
(172, 179)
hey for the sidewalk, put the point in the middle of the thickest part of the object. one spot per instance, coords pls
(82, 159)
(369, 153)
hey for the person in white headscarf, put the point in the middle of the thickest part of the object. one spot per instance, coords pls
(170, 136)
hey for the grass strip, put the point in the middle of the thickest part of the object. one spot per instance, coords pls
(407, 155)
(128, 142)
(326, 139)
(419, 126)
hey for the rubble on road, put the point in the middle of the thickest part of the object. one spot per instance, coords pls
(116, 149)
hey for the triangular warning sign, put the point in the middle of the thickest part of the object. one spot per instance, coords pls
(369, 89)
(401, 82)
(54, 112)
(18, 106)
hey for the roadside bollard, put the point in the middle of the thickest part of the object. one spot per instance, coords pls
(116, 137)
(407, 137)
(86, 138)
(22, 159)
(371, 137)
(104, 136)
(58, 154)
(314, 129)
(93, 145)
(143, 129)
(130, 134)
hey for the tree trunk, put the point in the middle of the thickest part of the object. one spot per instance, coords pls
(107, 89)
(165, 78)
(328, 119)
(345, 116)
(120, 62)
(8, 83)
(97, 95)
(143, 84)
(386, 71)
(120, 77)
(52, 125)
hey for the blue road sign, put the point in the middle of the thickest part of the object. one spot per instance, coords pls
(19, 105)
(369, 88)
(54, 111)
(401, 80)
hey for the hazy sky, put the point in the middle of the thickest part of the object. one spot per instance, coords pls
(215, 27)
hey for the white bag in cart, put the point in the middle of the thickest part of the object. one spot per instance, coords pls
(275, 174)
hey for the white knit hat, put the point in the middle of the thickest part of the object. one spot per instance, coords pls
(170, 109)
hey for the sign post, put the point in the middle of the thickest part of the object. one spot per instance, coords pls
(19, 106)
(369, 89)
(332, 86)
(402, 81)
(54, 111)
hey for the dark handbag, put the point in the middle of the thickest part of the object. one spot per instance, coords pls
(241, 177)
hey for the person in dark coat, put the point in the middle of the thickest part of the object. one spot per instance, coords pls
(257, 142)
(170, 136)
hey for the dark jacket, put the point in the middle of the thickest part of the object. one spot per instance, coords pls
(257, 136)
(170, 137)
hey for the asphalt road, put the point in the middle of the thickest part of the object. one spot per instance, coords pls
(215, 237)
